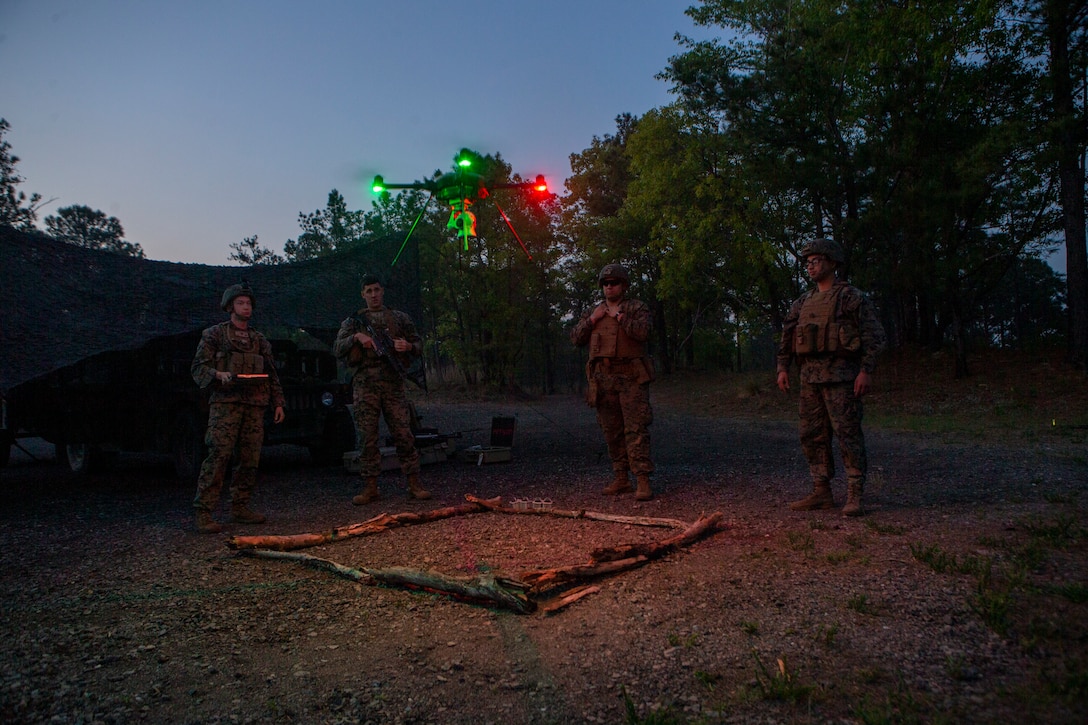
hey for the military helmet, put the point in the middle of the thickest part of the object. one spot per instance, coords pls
(614, 271)
(237, 290)
(827, 247)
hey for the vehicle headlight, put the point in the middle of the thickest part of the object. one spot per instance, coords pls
(327, 399)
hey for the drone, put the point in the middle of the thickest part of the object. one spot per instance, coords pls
(460, 189)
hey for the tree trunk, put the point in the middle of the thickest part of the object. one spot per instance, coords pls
(1070, 146)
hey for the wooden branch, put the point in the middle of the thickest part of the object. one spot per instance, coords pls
(544, 579)
(619, 558)
(378, 524)
(485, 589)
(653, 550)
(358, 575)
(488, 590)
(496, 505)
(569, 598)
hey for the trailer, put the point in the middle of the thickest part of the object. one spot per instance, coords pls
(145, 401)
(96, 347)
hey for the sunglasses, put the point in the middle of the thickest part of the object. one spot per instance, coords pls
(815, 260)
(611, 283)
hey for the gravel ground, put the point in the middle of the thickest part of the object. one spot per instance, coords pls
(960, 597)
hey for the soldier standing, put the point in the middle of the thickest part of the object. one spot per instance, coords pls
(378, 388)
(235, 362)
(619, 373)
(834, 334)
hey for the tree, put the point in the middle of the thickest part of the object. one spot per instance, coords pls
(326, 230)
(250, 252)
(16, 210)
(1028, 308)
(91, 229)
(904, 131)
(600, 228)
(719, 270)
(1058, 31)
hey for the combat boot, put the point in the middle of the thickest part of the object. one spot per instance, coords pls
(620, 484)
(205, 524)
(369, 492)
(853, 499)
(240, 514)
(642, 490)
(415, 490)
(820, 498)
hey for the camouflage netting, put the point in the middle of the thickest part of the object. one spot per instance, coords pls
(60, 303)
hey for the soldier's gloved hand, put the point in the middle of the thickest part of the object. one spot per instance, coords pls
(224, 378)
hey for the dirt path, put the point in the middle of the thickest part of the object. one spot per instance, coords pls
(960, 598)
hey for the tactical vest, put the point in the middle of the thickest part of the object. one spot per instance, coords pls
(609, 340)
(242, 355)
(820, 331)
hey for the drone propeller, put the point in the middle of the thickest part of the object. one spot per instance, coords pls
(459, 189)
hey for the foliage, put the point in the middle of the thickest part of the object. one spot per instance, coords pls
(325, 230)
(91, 229)
(927, 138)
(1027, 309)
(16, 209)
(250, 252)
(903, 131)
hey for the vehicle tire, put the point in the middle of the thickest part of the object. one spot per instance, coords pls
(338, 439)
(83, 459)
(6, 442)
(187, 447)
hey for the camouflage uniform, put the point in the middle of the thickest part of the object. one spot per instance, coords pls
(619, 378)
(236, 415)
(377, 389)
(834, 335)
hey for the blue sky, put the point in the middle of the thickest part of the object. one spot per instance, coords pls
(200, 123)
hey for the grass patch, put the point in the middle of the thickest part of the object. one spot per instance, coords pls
(750, 628)
(800, 541)
(825, 634)
(1060, 533)
(944, 562)
(661, 716)
(706, 679)
(898, 707)
(781, 684)
(879, 528)
(860, 603)
(675, 640)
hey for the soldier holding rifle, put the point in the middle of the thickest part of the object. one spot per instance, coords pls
(377, 382)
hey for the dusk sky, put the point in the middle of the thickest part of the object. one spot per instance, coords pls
(200, 123)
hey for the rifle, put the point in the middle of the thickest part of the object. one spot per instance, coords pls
(383, 345)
